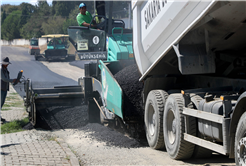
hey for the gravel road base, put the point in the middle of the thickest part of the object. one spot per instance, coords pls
(95, 144)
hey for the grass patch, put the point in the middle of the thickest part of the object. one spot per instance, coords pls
(67, 157)
(14, 93)
(13, 104)
(14, 126)
(6, 105)
(5, 109)
(52, 138)
(12, 97)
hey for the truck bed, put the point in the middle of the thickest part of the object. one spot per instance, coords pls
(188, 37)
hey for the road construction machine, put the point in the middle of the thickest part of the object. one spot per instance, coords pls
(34, 47)
(185, 83)
(109, 45)
(57, 45)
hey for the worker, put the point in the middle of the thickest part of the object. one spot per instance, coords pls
(84, 17)
(59, 41)
(5, 80)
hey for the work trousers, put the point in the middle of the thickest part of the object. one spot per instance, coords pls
(3, 95)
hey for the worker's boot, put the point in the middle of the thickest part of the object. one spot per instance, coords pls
(3, 120)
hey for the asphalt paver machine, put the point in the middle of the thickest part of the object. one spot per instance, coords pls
(57, 45)
(110, 46)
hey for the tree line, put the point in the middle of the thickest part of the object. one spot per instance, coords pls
(28, 21)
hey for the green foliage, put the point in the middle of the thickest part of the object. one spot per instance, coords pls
(3, 17)
(53, 25)
(44, 10)
(73, 13)
(32, 28)
(10, 28)
(71, 21)
(67, 23)
(9, 8)
(14, 126)
(53, 11)
(24, 17)
(29, 7)
(29, 21)
(63, 8)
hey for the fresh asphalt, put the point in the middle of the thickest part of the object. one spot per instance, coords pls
(40, 75)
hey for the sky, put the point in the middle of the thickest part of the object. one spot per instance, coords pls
(17, 2)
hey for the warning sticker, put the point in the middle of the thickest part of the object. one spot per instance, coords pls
(82, 45)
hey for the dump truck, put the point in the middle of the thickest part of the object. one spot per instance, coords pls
(190, 94)
(180, 76)
(191, 56)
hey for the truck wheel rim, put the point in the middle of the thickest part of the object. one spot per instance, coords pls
(171, 126)
(151, 120)
(241, 152)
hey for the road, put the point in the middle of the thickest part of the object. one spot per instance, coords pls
(93, 143)
(43, 75)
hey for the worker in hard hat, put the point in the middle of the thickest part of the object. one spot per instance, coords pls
(5, 80)
(84, 17)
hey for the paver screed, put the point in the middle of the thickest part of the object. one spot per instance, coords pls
(27, 148)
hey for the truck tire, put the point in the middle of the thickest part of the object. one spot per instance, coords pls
(93, 112)
(240, 142)
(174, 128)
(153, 118)
(199, 152)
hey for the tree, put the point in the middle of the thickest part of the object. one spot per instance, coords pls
(71, 21)
(44, 10)
(3, 17)
(53, 11)
(28, 7)
(9, 8)
(67, 23)
(11, 26)
(53, 25)
(63, 8)
(24, 16)
(33, 27)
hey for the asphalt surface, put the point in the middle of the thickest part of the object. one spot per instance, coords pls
(40, 75)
